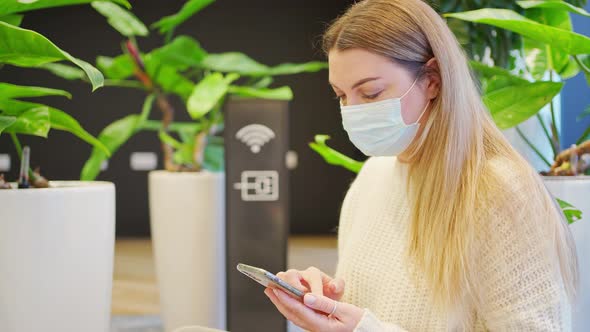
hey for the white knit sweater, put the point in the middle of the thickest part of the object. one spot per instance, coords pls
(522, 290)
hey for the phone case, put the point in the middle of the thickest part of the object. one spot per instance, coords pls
(265, 278)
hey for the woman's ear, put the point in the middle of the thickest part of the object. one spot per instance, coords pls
(433, 76)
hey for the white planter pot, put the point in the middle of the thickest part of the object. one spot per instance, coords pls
(576, 190)
(56, 257)
(187, 216)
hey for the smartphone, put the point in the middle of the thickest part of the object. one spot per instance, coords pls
(266, 278)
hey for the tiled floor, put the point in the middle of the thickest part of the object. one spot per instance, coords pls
(135, 306)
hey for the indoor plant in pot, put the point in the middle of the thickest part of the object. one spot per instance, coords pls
(550, 54)
(187, 199)
(56, 238)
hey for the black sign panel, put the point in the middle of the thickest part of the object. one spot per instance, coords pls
(257, 193)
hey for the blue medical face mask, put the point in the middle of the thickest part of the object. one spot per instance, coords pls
(377, 129)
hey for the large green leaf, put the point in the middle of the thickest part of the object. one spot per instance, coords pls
(30, 121)
(64, 71)
(56, 119)
(13, 19)
(539, 56)
(168, 78)
(512, 105)
(122, 20)
(571, 213)
(112, 137)
(282, 93)
(183, 52)
(235, 62)
(11, 91)
(116, 68)
(568, 41)
(494, 78)
(27, 48)
(207, 93)
(334, 157)
(296, 68)
(554, 6)
(19, 6)
(6, 121)
(190, 8)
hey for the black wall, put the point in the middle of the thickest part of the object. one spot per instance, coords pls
(270, 31)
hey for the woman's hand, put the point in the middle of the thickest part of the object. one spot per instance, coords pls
(315, 281)
(320, 310)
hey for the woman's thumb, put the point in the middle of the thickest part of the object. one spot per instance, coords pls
(337, 286)
(319, 302)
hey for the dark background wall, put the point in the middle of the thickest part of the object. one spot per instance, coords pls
(269, 31)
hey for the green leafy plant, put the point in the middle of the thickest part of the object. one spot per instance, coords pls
(26, 48)
(181, 69)
(552, 53)
(483, 41)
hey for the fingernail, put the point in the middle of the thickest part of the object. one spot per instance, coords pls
(309, 299)
(276, 292)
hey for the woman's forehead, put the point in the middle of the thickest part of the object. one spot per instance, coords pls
(347, 67)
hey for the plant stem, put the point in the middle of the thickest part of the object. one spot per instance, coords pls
(124, 84)
(526, 140)
(555, 133)
(165, 107)
(17, 145)
(168, 36)
(547, 134)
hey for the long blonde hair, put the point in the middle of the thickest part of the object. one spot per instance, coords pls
(448, 161)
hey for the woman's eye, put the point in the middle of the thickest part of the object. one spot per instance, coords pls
(372, 96)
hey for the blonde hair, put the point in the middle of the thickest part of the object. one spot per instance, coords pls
(448, 161)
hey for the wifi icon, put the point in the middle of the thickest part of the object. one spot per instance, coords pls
(255, 136)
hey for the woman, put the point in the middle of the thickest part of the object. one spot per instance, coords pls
(446, 227)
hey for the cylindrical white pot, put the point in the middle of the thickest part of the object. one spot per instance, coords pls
(56, 257)
(576, 190)
(187, 216)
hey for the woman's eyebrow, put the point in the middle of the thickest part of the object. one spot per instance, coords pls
(363, 81)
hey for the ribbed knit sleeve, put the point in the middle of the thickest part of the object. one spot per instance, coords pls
(521, 287)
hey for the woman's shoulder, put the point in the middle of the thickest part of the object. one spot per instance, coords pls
(511, 193)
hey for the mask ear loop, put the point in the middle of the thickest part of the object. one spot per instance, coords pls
(416, 80)
(423, 111)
